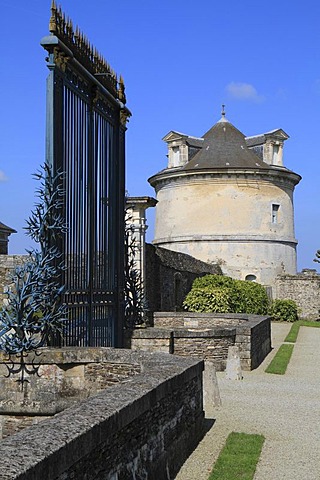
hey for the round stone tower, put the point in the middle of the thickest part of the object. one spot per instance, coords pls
(227, 199)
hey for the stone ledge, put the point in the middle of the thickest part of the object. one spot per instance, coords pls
(159, 333)
(207, 333)
(151, 332)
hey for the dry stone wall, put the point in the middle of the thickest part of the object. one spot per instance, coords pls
(207, 336)
(210, 344)
(7, 264)
(304, 289)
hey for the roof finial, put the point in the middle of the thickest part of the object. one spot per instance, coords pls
(223, 113)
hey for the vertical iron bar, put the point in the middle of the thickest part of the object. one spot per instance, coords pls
(86, 140)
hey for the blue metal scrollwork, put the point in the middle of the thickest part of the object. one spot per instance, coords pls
(33, 312)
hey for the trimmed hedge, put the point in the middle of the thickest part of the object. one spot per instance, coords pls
(220, 294)
(284, 310)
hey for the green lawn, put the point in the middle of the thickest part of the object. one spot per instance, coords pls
(293, 334)
(238, 458)
(281, 359)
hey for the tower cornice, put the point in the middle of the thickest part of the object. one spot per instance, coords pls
(276, 175)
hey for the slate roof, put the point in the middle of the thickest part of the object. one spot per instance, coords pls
(195, 142)
(256, 140)
(6, 229)
(224, 146)
(190, 140)
(260, 139)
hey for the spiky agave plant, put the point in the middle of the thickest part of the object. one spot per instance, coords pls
(33, 311)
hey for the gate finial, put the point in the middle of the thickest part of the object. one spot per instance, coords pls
(121, 90)
(61, 26)
(53, 18)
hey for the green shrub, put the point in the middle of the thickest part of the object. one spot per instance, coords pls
(209, 299)
(213, 281)
(250, 297)
(220, 294)
(284, 310)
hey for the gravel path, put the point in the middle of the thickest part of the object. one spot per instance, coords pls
(284, 408)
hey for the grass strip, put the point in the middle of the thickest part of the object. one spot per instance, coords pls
(294, 330)
(281, 360)
(293, 334)
(239, 457)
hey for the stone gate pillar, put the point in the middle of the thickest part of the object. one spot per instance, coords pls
(136, 218)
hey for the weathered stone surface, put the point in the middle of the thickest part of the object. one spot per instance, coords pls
(61, 383)
(211, 394)
(233, 369)
(7, 263)
(304, 289)
(169, 277)
(210, 344)
(211, 339)
(177, 319)
(144, 428)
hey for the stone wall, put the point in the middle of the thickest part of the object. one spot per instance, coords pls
(260, 340)
(66, 376)
(7, 263)
(207, 336)
(169, 277)
(198, 320)
(210, 344)
(304, 289)
(143, 428)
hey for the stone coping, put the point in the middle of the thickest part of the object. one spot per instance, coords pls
(204, 332)
(78, 355)
(241, 316)
(163, 332)
(248, 321)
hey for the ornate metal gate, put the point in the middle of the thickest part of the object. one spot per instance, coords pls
(86, 123)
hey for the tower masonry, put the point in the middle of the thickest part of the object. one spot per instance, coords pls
(228, 199)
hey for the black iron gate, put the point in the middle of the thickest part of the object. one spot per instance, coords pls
(86, 123)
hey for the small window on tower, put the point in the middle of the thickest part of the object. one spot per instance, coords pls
(275, 213)
(251, 278)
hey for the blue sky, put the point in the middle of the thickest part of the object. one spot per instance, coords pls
(181, 60)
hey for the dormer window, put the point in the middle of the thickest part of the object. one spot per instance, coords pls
(269, 146)
(181, 148)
